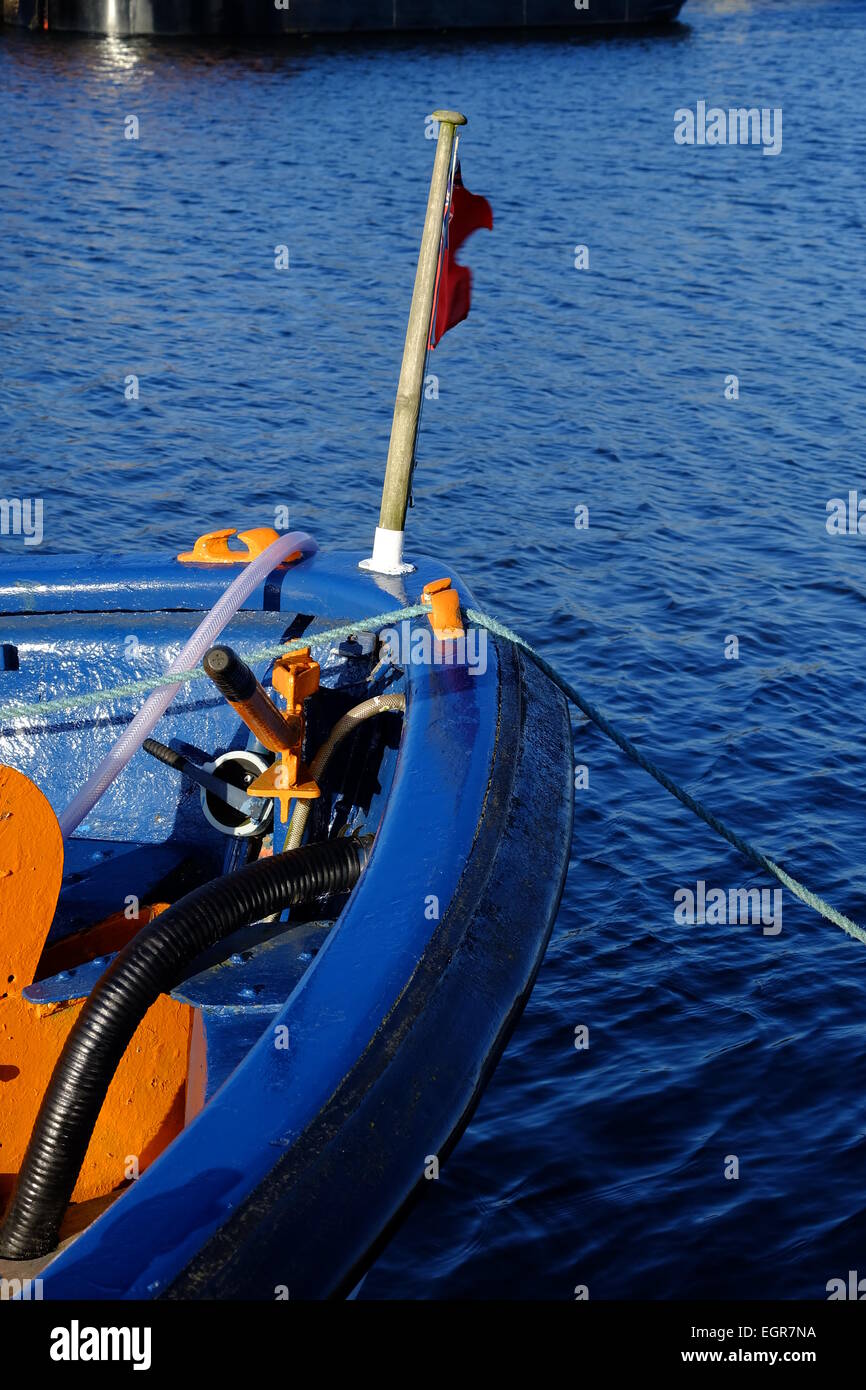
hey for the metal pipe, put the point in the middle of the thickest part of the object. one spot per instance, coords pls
(378, 704)
(249, 699)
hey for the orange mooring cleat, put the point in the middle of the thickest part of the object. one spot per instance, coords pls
(213, 547)
(444, 614)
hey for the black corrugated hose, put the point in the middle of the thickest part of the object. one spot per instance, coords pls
(148, 966)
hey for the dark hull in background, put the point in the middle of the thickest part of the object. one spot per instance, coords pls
(261, 17)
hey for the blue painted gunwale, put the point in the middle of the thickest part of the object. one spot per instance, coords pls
(145, 1240)
(325, 584)
(332, 1199)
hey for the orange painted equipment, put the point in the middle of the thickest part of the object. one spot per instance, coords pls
(270, 726)
(295, 677)
(213, 547)
(444, 602)
(99, 940)
(144, 1107)
(248, 698)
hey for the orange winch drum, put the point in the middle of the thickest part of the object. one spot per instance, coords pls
(234, 679)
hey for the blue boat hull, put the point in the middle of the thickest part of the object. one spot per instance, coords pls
(300, 1163)
(329, 1203)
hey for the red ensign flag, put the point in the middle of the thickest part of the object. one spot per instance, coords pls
(466, 213)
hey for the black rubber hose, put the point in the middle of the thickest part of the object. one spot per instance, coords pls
(148, 966)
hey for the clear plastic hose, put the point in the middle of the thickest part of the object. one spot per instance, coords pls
(156, 704)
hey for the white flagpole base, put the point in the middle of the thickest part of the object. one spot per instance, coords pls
(387, 557)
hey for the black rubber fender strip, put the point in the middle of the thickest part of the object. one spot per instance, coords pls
(149, 965)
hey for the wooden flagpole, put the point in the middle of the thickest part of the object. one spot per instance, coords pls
(387, 557)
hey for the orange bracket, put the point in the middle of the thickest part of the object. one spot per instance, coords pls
(444, 602)
(213, 547)
(295, 677)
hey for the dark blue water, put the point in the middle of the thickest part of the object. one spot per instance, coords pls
(261, 388)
